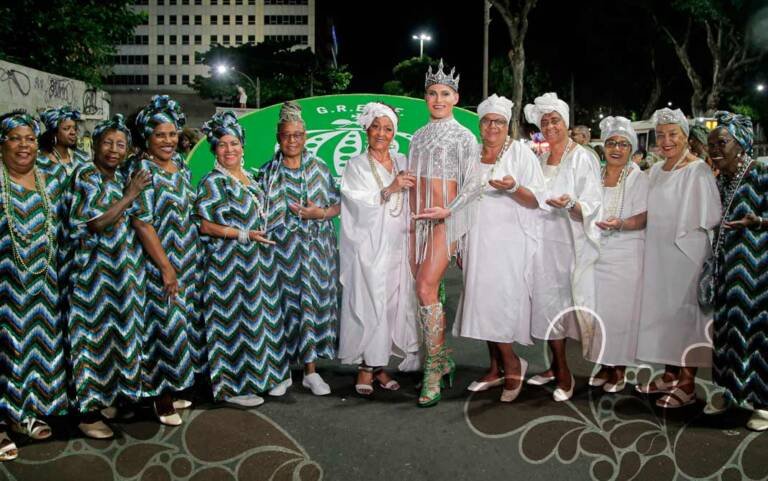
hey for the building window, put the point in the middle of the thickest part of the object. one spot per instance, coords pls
(251, 2)
(238, 39)
(185, 59)
(127, 80)
(214, 40)
(172, 19)
(172, 59)
(137, 40)
(161, 80)
(172, 39)
(185, 19)
(185, 79)
(286, 20)
(185, 39)
(198, 19)
(144, 18)
(252, 39)
(198, 39)
(225, 40)
(214, 2)
(161, 59)
(238, 19)
(198, 58)
(225, 20)
(198, 2)
(214, 20)
(294, 39)
(172, 80)
(225, 2)
(161, 19)
(238, 2)
(171, 2)
(286, 2)
(141, 2)
(161, 40)
(185, 2)
(251, 19)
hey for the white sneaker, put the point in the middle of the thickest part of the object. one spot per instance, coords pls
(281, 389)
(248, 401)
(316, 384)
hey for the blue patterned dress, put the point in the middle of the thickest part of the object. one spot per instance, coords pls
(170, 327)
(306, 256)
(33, 378)
(741, 316)
(106, 303)
(244, 327)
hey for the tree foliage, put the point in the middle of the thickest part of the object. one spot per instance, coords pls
(283, 73)
(409, 77)
(72, 38)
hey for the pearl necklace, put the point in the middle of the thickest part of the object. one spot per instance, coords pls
(492, 172)
(259, 207)
(13, 229)
(398, 208)
(568, 147)
(616, 207)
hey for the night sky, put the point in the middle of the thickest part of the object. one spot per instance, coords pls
(603, 44)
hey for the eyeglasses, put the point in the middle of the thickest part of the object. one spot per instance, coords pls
(293, 136)
(493, 122)
(621, 144)
(17, 139)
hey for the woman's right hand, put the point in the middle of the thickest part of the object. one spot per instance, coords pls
(170, 282)
(260, 236)
(433, 213)
(139, 181)
(403, 181)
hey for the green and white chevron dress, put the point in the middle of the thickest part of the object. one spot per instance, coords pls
(33, 379)
(107, 296)
(241, 300)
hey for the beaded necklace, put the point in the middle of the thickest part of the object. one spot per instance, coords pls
(492, 172)
(13, 229)
(303, 191)
(616, 207)
(398, 208)
(568, 147)
(727, 194)
(259, 206)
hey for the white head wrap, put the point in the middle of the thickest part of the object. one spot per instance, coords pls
(621, 126)
(372, 110)
(543, 105)
(668, 116)
(496, 105)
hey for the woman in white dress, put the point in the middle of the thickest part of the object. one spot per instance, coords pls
(564, 281)
(502, 235)
(619, 269)
(378, 307)
(683, 206)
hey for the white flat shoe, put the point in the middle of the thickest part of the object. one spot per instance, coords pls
(249, 401)
(539, 380)
(315, 383)
(169, 419)
(758, 421)
(597, 381)
(560, 395)
(716, 406)
(478, 386)
(97, 430)
(614, 388)
(281, 388)
(509, 395)
(182, 404)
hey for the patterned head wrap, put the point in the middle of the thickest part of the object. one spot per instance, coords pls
(290, 112)
(619, 126)
(545, 104)
(161, 110)
(117, 122)
(496, 105)
(221, 124)
(17, 119)
(699, 132)
(667, 116)
(373, 110)
(739, 126)
(53, 117)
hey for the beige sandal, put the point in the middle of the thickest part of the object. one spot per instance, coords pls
(8, 449)
(33, 428)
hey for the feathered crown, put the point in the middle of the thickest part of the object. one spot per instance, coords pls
(441, 77)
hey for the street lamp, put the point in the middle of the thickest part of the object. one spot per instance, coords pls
(421, 38)
(669, 104)
(222, 69)
(760, 87)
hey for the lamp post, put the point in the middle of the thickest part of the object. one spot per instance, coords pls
(760, 88)
(421, 38)
(223, 69)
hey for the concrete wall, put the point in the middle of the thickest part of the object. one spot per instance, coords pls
(35, 90)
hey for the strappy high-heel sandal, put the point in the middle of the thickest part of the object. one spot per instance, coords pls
(391, 385)
(364, 389)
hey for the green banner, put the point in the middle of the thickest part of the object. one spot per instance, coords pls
(333, 134)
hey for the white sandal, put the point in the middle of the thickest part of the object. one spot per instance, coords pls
(9, 451)
(33, 428)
